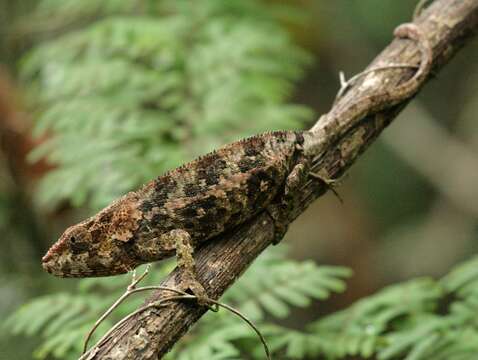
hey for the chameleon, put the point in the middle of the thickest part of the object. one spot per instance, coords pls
(193, 203)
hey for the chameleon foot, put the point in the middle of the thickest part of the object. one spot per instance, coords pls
(187, 265)
(279, 216)
(330, 184)
(279, 210)
(196, 288)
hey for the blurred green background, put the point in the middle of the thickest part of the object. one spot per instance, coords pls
(72, 72)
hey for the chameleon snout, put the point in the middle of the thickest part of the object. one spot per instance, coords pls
(51, 259)
(48, 264)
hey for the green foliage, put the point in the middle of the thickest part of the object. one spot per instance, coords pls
(419, 319)
(147, 85)
(273, 285)
(138, 92)
(62, 320)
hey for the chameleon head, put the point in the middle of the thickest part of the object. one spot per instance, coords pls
(81, 252)
(98, 246)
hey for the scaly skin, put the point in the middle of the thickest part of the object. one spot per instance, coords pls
(202, 198)
(214, 193)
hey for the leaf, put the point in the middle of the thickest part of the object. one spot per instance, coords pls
(126, 90)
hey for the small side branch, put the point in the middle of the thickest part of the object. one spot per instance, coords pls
(151, 333)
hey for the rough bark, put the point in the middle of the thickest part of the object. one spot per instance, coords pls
(149, 335)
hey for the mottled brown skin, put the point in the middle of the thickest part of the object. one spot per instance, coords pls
(214, 193)
(198, 200)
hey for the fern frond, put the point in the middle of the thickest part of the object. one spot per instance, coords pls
(151, 90)
(272, 285)
(420, 319)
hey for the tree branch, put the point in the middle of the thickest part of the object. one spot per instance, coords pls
(149, 335)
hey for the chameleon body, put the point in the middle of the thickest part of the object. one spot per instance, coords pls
(202, 198)
(214, 193)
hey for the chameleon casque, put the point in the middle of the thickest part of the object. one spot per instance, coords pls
(213, 193)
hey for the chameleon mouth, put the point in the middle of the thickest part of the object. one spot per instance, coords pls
(52, 264)
(73, 272)
(51, 261)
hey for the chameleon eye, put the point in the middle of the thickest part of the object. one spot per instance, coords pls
(78, 247)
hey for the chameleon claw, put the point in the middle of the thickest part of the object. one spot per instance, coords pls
(203, 299)
(330, 184)
(211, 305)
(199, 292)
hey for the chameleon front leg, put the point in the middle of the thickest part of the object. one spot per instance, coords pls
(301, 173)
(329, 183)
(304, 165)
(187, 265)
(280, 210)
